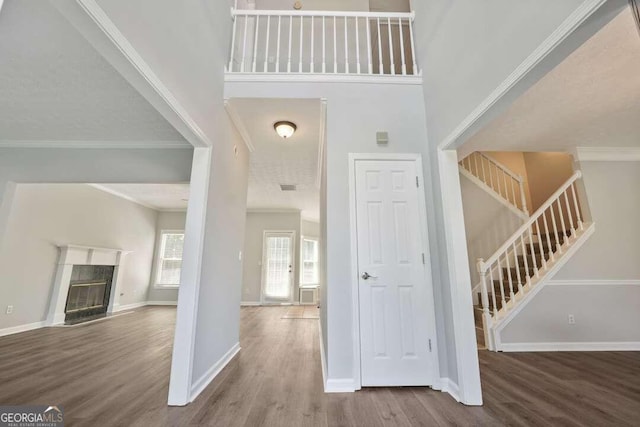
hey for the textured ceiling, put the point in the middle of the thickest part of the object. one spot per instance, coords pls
(55, 87)
(277, 161)
(592, 98)
(156, 196)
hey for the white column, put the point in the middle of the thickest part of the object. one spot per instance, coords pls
(459, 279)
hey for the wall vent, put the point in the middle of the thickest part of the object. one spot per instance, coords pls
(288, 187)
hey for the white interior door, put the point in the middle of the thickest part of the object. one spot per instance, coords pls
(277, 266)
(394, 305)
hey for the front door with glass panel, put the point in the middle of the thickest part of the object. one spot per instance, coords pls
(277, 267)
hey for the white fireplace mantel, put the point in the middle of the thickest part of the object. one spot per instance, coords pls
(71, 255)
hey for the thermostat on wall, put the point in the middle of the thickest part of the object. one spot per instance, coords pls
(382, 138)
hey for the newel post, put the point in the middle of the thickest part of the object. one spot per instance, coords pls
(486, 313)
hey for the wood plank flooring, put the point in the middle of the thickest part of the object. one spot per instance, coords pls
(115, 373)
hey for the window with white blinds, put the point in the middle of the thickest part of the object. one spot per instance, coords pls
(170, 258)
(310, 274)
(278, 267)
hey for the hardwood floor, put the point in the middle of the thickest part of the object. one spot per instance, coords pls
(115, 372)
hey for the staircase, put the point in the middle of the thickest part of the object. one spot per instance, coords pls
(534, 253)
(497, 180)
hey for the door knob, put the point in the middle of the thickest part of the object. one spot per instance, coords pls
(366, 276)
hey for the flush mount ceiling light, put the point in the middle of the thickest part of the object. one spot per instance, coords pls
(285, 129)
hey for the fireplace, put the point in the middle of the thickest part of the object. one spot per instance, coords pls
(86, 285)
(89, 293)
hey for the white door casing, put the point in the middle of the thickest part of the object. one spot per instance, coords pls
(395, 304)
(278, 267)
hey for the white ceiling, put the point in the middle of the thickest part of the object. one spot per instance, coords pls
(590, 99)
(277, 161)
(162, 197)
(55, 87)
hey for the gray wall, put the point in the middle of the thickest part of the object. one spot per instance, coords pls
(45, 215)
(469, 48)
(190, 61)
(600, 284)
(57, 165)
(465, 50)
(166, 221)
(257, 223)
(487, 222)
(354, 114)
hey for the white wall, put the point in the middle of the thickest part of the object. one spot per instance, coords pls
(354, 114)
(45, 215)
(487, 222)
(166, 221)
(600, 284)
(257, 223)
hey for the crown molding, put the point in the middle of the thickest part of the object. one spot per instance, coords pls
(173, 210)
(273, 211)
(94, 144)
(237, 122)
(122, 195)
(608, 154)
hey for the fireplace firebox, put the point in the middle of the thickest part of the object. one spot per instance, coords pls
(89, 291)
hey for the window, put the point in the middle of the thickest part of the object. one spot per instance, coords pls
(170, 258)
(309, 262)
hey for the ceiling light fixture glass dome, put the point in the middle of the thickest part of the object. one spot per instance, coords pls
(285, 129)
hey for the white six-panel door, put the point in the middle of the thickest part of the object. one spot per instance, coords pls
(394, 305)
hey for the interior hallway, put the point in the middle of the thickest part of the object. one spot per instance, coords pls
(115, 372)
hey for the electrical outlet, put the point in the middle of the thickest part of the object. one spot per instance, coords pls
(9, 309)
(572, 319)
(240, 256)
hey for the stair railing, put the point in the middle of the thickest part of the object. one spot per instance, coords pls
(499, 178)
(322, 42)
(553, 224)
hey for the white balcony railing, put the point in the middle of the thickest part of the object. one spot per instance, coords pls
(318, 42)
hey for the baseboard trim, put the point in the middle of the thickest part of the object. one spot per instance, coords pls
(168, 303)
(213, 372)
(249, 303)
(449, 386)
(590, 282)
(21, 328)
(339, 385)
(129, 306)
(570, 346)
(323, 360)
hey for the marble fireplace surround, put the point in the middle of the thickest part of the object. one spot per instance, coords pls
(71, 255)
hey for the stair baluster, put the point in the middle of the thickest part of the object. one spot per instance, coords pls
(529, 251)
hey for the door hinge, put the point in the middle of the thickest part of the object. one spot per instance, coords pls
(417, 182)
(429, 344)
(423, 261)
